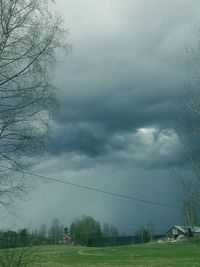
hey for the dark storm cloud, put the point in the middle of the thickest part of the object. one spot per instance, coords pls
(93, 113)
(93, 126)
(125, 73)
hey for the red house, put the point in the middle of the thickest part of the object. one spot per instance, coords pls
(65, 240)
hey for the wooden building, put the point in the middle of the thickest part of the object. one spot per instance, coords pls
(178, 230)
(65, 240)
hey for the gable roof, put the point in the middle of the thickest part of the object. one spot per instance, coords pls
(66, 236)
(185, 229)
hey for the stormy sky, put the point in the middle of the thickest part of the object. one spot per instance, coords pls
(115, 130)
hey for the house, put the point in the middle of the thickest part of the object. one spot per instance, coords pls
(177, 230)
(65, 240)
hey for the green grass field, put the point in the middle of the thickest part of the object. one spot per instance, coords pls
(136, 255)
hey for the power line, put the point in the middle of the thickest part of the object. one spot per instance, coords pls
(102, 191)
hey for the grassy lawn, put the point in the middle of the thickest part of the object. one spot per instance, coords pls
(136, 255)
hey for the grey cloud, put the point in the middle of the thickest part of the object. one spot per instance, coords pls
(122, 78)
(91, 127)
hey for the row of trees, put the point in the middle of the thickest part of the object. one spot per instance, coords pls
(84, 231)
(87, 231)
(12, 239)
(27, 237)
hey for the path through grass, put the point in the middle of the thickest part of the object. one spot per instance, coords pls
(149, 255)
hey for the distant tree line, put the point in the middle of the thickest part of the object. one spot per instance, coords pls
(84, 231)
(12, 239)
(27, 237)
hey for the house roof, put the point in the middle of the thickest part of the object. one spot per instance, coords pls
(66, 236)
(185, 229)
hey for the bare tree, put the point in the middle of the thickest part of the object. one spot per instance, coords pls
(17, 257)
(189, 191)
(189, 130)
(150, 229)
(30, 33)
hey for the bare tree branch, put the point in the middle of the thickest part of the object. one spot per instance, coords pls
(30, 32)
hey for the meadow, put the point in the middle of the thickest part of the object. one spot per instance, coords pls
(159, 255)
